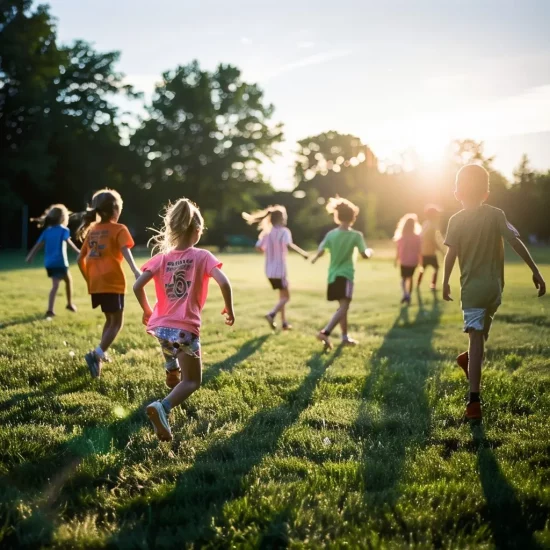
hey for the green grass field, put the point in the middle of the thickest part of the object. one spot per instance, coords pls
(282, 446)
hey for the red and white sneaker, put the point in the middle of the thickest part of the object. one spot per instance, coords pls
(462, 361)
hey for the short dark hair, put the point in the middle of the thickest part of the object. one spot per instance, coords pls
(472, 181)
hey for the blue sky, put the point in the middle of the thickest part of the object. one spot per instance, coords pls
(398, 73)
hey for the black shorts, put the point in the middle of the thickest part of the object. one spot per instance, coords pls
(279, 284)
(57, 272)
(341, 288)
(407, 271)
(110, 303)
(430, 260)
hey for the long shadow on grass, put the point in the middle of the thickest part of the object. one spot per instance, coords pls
(184, 516)
(509, 524)
(394, 414)
(22, 320)
(52, 483)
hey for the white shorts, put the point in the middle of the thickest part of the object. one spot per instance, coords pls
(479, 319)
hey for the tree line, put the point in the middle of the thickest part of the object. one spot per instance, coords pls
(205, 136)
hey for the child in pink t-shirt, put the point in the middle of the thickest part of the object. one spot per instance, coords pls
(274, 241)
(181, 274)
(408, 252)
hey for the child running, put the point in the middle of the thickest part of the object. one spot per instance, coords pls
(274, 240)
(105, 244)
(475, 236)
(181, 273)
(341, 243)
(54, 239)
(408, 244)
(432, 241)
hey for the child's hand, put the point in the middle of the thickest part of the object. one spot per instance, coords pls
(229, 316)
(368, 253)
(447, 292)
(146, 317)
(539, 283)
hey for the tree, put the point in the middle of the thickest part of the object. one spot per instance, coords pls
(206, 136)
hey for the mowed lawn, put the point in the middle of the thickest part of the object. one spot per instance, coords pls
(283, 446)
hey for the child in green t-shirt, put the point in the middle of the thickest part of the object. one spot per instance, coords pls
(341, 242)
(475, 236)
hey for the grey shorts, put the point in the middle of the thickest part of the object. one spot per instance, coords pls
(479, 319)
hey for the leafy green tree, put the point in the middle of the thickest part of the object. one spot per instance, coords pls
(206, 137)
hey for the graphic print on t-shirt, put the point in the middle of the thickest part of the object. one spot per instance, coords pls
(178, 287)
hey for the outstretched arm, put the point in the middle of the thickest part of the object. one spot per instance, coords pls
(366, 254)
(73, 246)
(33, 251)
(319, 253)
(300, 251)
(139, 291)
(523, 253)
(127, 253)
(227, 292)
(450, 259)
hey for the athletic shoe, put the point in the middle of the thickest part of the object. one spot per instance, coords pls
(462, 361)
(49, 314)
(173, 378)
(71, 307)
(94, 364)
(271, 321)
(473, 411)
(347, 341)
(325, 339)
(287, 326)
(433, 288)
(158, 417)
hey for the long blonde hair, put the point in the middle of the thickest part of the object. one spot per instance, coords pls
(407, 225)
(180, 220)
(56, 214)
(267, 218)
(105, 203)
(343, 210)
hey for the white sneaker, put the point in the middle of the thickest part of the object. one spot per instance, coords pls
(158, 417)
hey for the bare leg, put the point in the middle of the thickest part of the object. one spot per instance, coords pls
(344, 324)
(191, 378)
(69, 288)
(284, 297)
(408, 285)
(475, 355)
(340, 313)
(434, 278)
(420, 275)
(53, 293)
(404, 286)
(113, 324)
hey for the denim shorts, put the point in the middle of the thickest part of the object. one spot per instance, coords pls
(479, 319)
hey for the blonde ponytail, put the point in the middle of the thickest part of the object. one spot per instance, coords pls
(56, 214)
(267, 217)
(180, 220)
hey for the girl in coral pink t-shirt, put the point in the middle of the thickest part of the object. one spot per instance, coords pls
(181, 274)
(408, 253)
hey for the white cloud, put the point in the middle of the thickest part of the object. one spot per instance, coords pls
(305, 45)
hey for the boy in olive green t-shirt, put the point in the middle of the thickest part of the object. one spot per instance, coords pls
(341, 243)
(475, 236)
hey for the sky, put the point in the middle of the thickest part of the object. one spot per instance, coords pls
(397, 73)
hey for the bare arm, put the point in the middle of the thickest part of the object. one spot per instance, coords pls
(320, 252)
(300, 251)
(523, 253)
(127, 253)
(227, 292)
(81, 261)
(139, 291)
(450, 259)
(259, 249)
(366, 254)
(33, 251)
(73, 246)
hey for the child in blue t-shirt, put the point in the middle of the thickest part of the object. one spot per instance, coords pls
(54, 240)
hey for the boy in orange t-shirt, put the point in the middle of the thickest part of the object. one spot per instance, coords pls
(106, 244)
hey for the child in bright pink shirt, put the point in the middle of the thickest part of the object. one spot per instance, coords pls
(408, 253)
(181, 274)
